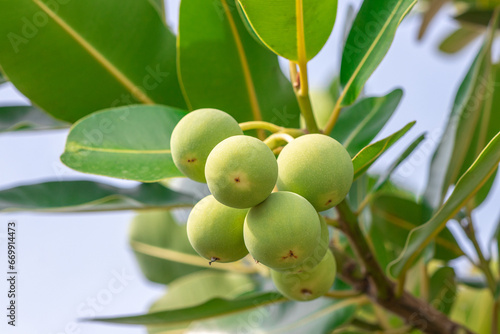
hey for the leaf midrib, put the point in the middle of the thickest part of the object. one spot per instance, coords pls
(134, 90)
(73, 147)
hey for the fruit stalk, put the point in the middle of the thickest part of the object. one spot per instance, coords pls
(301, 88)
(371, 280)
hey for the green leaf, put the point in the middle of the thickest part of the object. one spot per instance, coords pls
(296, 30)
(386, 176)
(85, 196)
(443, 289)
(457, 149)
(18, 118)
(369, 40)
(459, 39)
(358, 125)
(480, 17)
(466, 188)
(367, 156)
(154, 233)
(395, 216)
(214, 308)
(222, 66)
(198, 288)
(130, 142)
(71, 66)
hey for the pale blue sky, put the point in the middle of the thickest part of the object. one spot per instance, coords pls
(67, 260)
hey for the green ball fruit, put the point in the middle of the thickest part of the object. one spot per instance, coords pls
(216, 231)
(319, 251)
(241, 172)
(283, 231)
(318, 168)
(307, 285)
(196, 135)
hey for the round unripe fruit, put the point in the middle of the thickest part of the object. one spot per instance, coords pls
(241, 171)
(307, 285)
(283, 231)
(196, 135)
(318, 168)
(319, 251)
(216, 231)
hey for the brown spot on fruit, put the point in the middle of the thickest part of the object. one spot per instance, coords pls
(191, 160)
(306, 292)
(328, 202)
(237, 180)
(290, 254)
(212, 260)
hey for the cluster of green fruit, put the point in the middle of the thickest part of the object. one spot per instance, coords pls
(281, 230)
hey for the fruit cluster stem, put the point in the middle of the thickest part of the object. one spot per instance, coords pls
(369, 278)
(301, 88)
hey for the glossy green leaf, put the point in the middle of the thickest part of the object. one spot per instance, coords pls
(155, 233)
(85, 196)
(222, 66)
(131, 142)
(19, 118)
(296, 30)
(396, 216)
(358, 125)
(369, 40)
(71, 66)
(451, 158)
(443, 289)
(466, 188)
(214, 308)
(367, 156)
(473, 308)
(198, 288)
(459, 39)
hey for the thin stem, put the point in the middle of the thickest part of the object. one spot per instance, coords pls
(275, 140)
(424, 281)
(364, 203)
(273, 128)
(333, 117)
(331, 221)
(483, 264)
(340, 294)
(301, 88)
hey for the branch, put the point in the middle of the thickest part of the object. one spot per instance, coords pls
(370, 279)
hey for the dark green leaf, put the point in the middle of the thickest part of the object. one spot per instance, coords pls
(198, 288)
(222, 66)
(84, 196)
(157, 233)
(294, 37)
(451, 157)
(480, 17)
(214, 308)
(130, 142)
(17, 118)
(367, 156)
(358, 125)
(443, 289)
(395, 217)
(466, 188)
(369, 40)
(71, 66)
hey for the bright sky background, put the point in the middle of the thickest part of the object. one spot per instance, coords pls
(67, 260)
